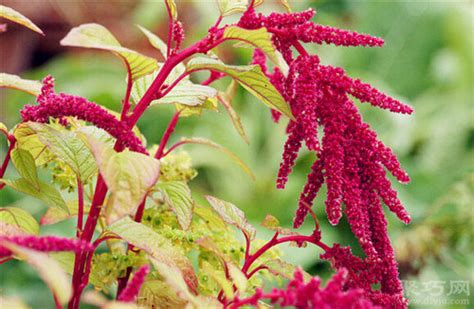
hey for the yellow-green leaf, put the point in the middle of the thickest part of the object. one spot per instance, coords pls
(158, 292)
(226, 100)
(188, 93)
(25, 165)
(49, 270)
(232, 215)
(98, 37)
(176, 280)
(155, 245)
(19, 218)
(250, 77)
(3, 128)
(286, 5)
(238, 277)
(173, 10)
(55, 215)
(46, 193)
(272, 223)
(259, 38)
(155, 41)
(16, 82)
(210, 217)
(178, 197)
(278, 267)
(69, 148)
(229, 7)
(219, 278)
(230, 154)
(129, 176)
(12, 302)
(26, 138)
(18, 18)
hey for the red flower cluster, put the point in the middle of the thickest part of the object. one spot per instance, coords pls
(365, 273)
(178, 34)
(52, 105)
(299, 294)
(45, 244)
(131, 291)
(351, 161)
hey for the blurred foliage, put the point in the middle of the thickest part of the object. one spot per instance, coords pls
(426, 61)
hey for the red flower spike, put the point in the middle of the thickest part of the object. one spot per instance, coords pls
(52, 105)
(131, 291)
(178, 34)
(305, 295)
(45, 244)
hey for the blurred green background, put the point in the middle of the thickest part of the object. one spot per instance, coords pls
(426, 61)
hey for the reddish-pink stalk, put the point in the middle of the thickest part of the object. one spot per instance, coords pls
(57, 304)
(3, 169)
(126, 100)
(166, 136)
(170, 29)
(276, 241)
(80, 206)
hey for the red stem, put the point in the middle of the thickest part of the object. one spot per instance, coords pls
(80, 206)
(255, 270)
(276, 241)
(12, 141)
(170, 29)
(57, 304)
(166, 136)
(126, 100)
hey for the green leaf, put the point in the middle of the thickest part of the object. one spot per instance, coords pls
(158, 292)
(250, 77)
(19, 218)
(46, 193)
(232, 215)
(226, 100)
(69, 148)
(155, 245)
(176, 280)
(155, 41)
(26, 138)
(25, 165)
(128, 175)
(98, 37)
(3, 128)
(259, 38)
(210, 217)
(238, 277)
(178, 197)
(173, 10)
(187, 110)
(286, 5)
(12, 302)
(188, 93)
(49, 270)
(229, 7)
(278, 267)
(219, 278)
(207, 142)
(18, 18)
(55, 215)
(16, 82)
(272, 223)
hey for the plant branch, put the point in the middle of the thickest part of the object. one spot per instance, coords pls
(3, 169)
(166, 136)
(126, 100)
(80, 206)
